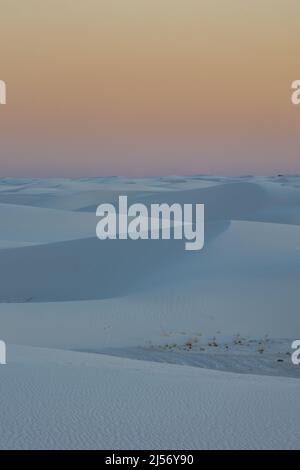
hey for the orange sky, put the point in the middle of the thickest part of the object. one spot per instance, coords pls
(149, 86)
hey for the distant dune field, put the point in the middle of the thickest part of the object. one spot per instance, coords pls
(140, 344)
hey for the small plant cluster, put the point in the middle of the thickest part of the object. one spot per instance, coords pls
(193, 343)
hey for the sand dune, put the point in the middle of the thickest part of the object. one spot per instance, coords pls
(38, 225)
(63, 289)
(75, 400)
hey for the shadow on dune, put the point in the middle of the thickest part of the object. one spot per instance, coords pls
(89, 269)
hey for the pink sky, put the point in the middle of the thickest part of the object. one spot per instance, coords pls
(98, 87)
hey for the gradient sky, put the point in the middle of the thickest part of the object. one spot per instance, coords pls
(148, 87)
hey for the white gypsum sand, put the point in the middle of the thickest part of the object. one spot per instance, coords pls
(76, 314)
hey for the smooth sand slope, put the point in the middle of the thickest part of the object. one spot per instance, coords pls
(56, 399)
